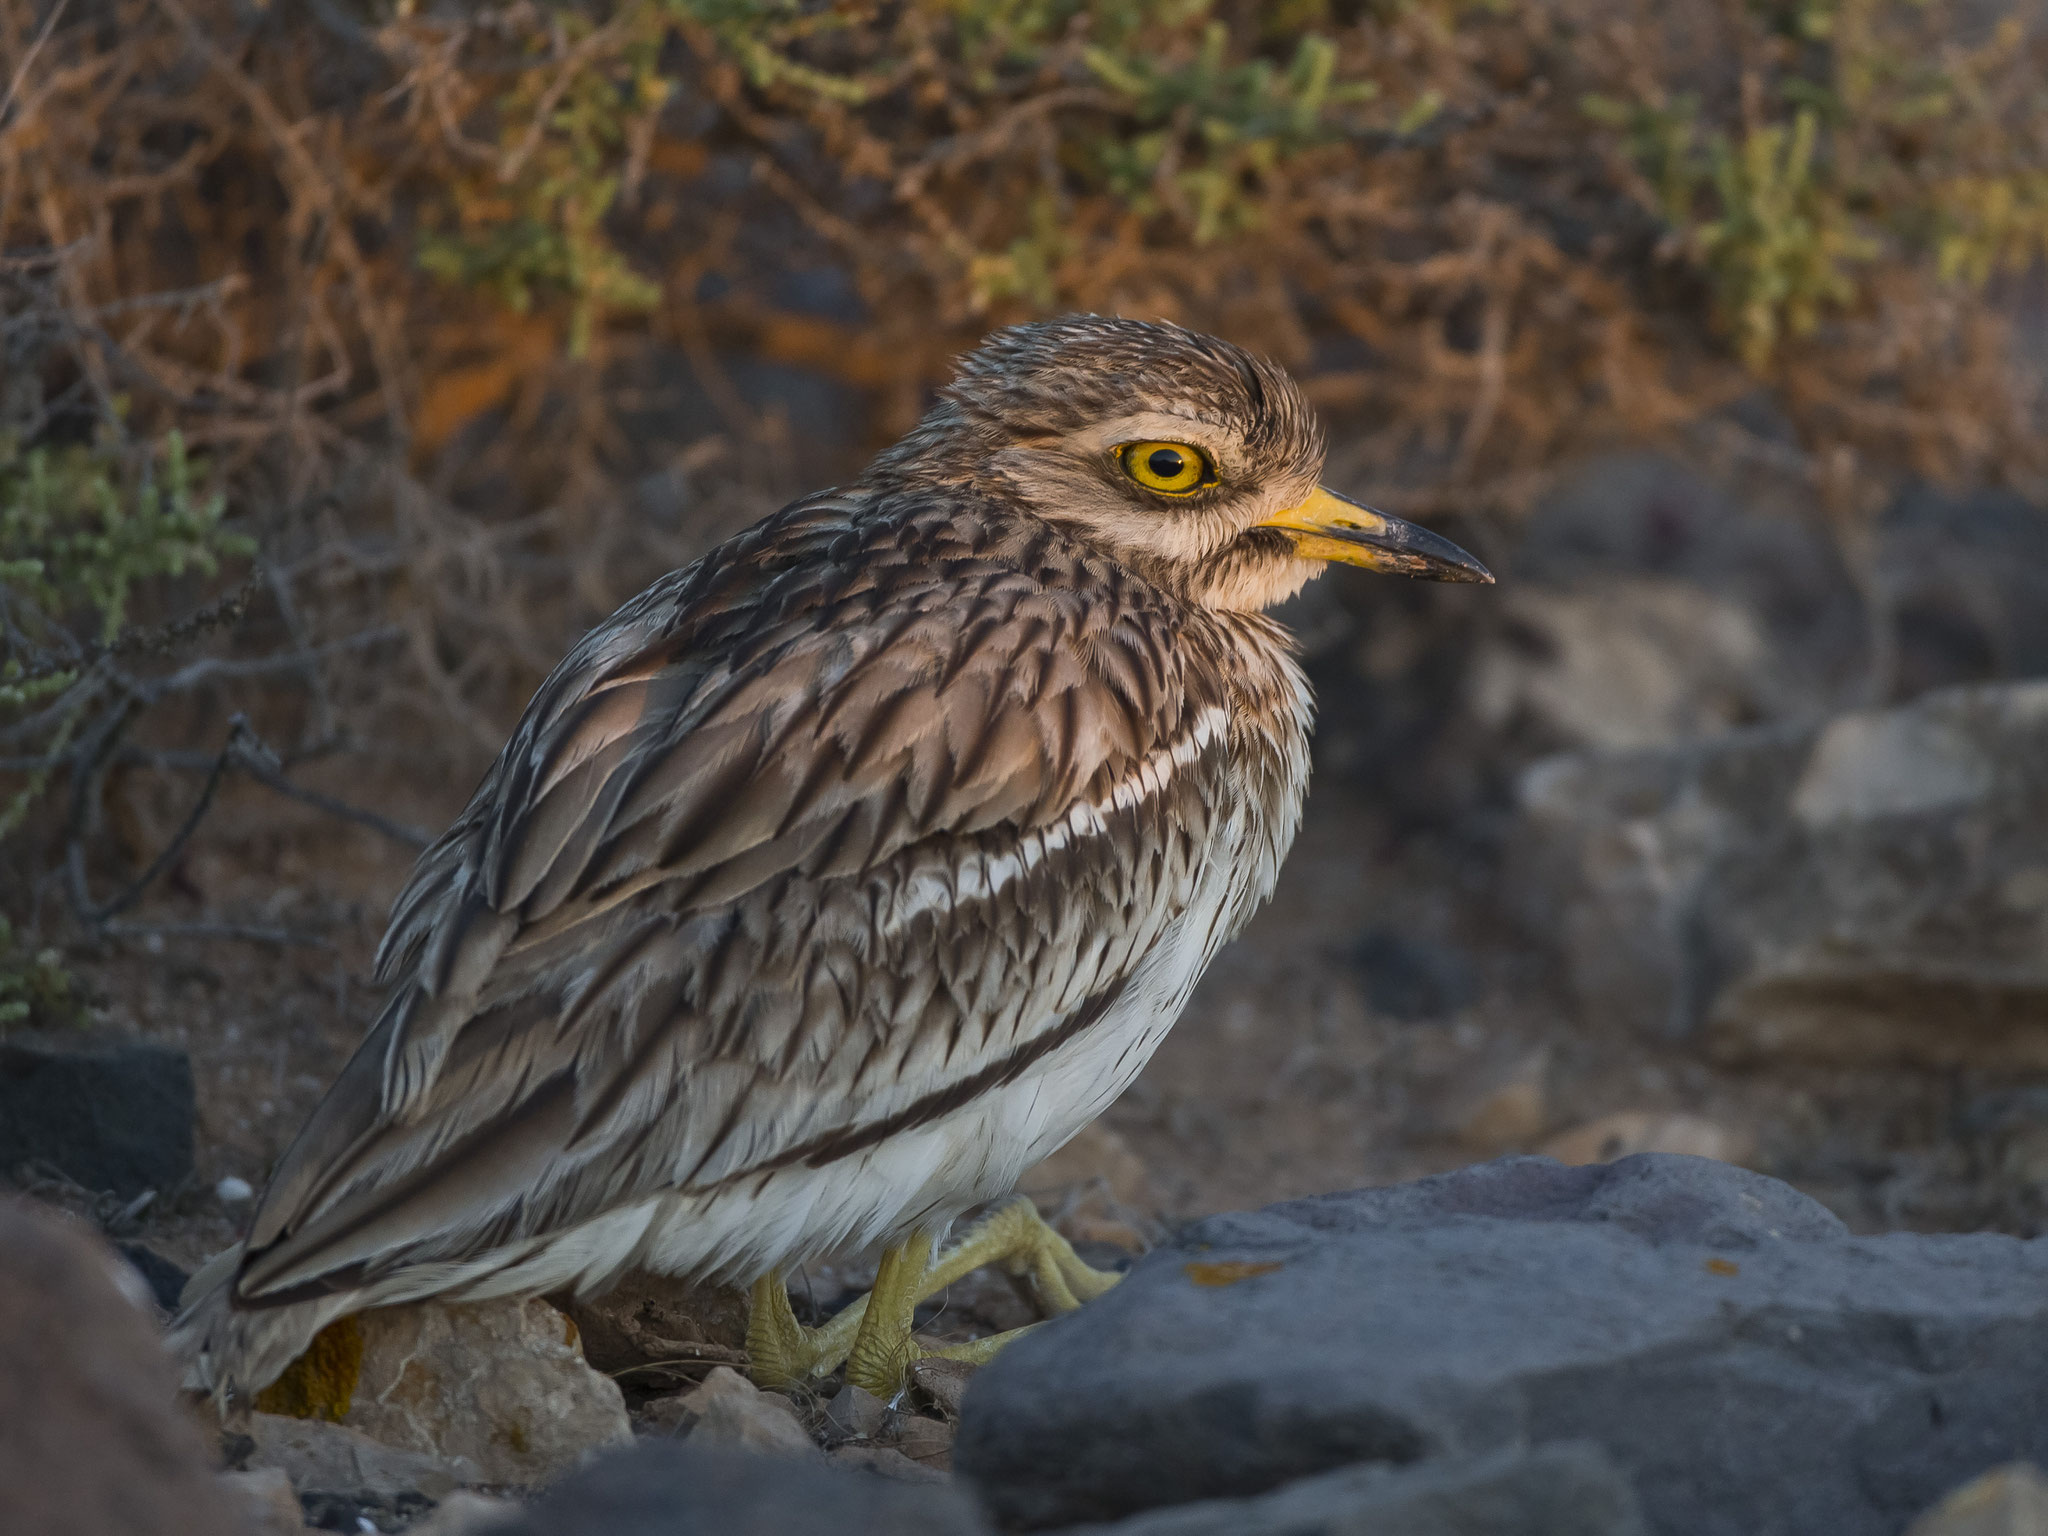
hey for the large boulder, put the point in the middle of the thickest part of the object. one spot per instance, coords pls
(1749, 1366)
(1871, 889)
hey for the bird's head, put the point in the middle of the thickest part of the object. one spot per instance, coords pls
(1183, 457)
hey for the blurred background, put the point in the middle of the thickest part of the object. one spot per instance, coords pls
(356, 355)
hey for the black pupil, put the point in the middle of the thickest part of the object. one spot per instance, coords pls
(1166, 463)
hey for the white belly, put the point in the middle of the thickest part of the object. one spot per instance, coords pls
(926, 1175)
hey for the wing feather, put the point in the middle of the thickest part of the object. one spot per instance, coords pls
(815, 840)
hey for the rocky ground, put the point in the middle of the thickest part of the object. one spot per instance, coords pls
(1684, 840)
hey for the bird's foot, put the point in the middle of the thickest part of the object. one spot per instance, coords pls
(1018, 1239)
(782, 1352)
(872, 1335)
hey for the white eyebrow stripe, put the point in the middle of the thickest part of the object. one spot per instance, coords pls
(983, 876)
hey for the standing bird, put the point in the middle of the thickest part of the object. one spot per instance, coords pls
(839, 877)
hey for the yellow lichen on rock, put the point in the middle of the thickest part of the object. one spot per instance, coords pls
(321, 1383)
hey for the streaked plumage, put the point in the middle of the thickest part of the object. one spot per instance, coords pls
(835, 879)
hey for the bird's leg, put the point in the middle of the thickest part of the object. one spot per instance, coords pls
(782, 1352)
(882, 1348)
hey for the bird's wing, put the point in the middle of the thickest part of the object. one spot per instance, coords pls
(813, 842)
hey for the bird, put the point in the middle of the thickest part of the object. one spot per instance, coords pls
(842, 875)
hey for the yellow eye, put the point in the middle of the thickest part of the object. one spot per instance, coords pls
(1172, 469)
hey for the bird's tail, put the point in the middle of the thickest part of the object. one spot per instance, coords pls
(231, 1353)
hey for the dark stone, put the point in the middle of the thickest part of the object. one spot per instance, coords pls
(1569, 1489)
(118, 1120)
(670, 1488)
(352, 1512)
(164, 1279)
(1411, 978)
(1748, 1365)
(92, 1442)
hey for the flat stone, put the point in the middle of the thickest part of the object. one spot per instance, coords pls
(321, 1457)
(669, 1488)
(943, 1383)
(854, 1414)
(93, 1442)
(1747, 1364)
(2006, 1501)
(500, 1385)
(1569, 1489)
(118, 1120)
(731, 1413)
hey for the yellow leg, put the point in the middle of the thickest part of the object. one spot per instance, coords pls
(872, 1335)
(882, 1349)
(782, 1352)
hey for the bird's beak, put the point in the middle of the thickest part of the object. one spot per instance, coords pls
(1332, 527)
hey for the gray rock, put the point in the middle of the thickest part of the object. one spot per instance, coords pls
(118, 1120)
(1555, 1490)
(91, 1439)
(1749, 1366)
(1874, 890)
(662, 1488)
(730, 1413)
(319, 1457)
(497, 1386)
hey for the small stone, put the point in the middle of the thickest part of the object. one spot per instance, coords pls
(118, 1120)
(884, 1461)
(91, 1439)
(466, 1513)
(269, 1505)
(928, 1442)
(854, 1414)
(731, 1412)
(319, 1457)
(1629, 1131)
(2006, 1501)
(232, 1191)
(943, 1382)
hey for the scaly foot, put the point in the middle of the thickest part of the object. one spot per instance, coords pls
(872, 1336)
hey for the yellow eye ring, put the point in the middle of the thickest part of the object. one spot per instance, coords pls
(1171, 469)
